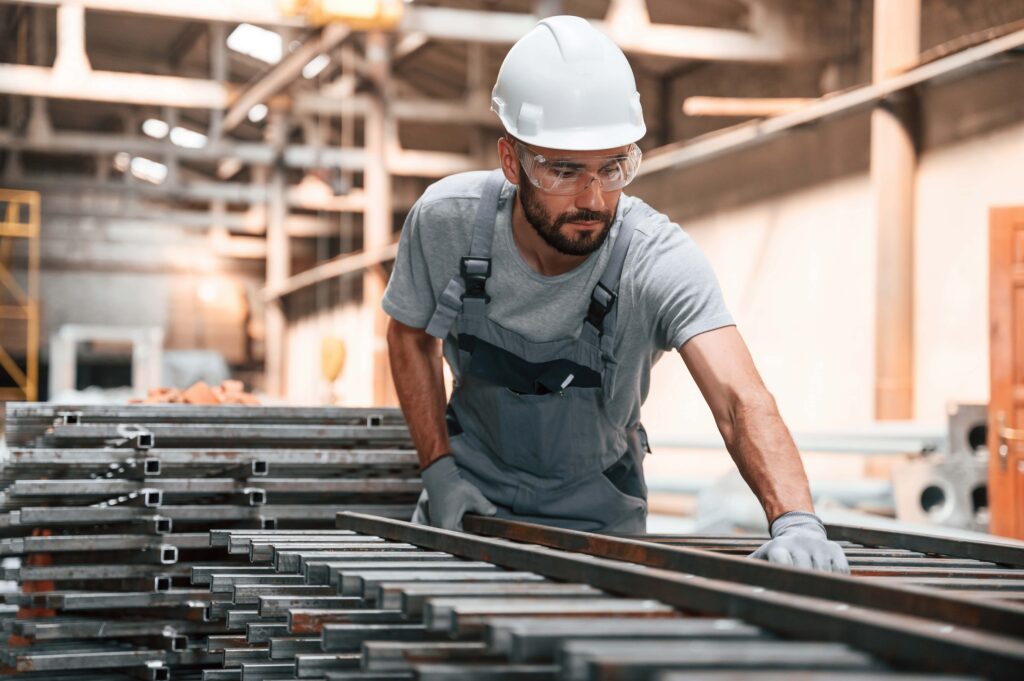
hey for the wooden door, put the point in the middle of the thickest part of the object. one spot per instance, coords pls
(1006, 405)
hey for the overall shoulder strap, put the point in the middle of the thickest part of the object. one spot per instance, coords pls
(468, 291)
(601, 315)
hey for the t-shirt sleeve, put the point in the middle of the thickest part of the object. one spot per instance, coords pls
(409, 296)
(676, 289)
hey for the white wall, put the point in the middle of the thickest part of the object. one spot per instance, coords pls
(956, 186)
(798, 273)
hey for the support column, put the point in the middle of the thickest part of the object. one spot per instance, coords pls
(893, 179)
(377, 220)
(279, 259)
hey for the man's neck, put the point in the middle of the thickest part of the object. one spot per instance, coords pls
(538, 254)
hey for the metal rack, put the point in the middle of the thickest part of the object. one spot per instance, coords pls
(110, 528)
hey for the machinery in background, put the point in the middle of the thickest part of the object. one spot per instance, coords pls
(949, 487)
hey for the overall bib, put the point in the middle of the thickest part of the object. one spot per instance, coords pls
(527, 421)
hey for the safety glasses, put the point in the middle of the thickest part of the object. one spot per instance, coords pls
(568, 176)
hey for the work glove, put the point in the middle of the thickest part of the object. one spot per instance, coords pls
(799, 539)
(449, 497)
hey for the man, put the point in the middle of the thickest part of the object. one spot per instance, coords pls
(554, 294)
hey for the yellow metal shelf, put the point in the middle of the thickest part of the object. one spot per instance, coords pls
(19, 219)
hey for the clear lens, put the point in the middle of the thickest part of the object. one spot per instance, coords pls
(572, 175)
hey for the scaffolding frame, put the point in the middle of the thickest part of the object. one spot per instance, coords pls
(19, 219)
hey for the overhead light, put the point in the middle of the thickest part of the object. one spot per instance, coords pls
(358, 14)
(315, 66)
(258, 113)
(148, 170)
(155, 128)
(258, 43)
(190, 139)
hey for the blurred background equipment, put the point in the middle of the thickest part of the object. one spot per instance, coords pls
(332, 362)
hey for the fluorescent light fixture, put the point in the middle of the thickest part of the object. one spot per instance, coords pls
(258, 43)
(150, 171)
(122, 160)
(258, 113)
(190, 139)
(155, 128)
(315, 66)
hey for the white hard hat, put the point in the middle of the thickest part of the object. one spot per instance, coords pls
(566, 85)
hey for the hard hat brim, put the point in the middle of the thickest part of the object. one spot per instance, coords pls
(589, 139)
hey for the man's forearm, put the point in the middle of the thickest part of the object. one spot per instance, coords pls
(419, 381)
(767, 457)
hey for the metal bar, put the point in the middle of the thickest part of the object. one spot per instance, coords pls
(336, 571)
(187, 413)
(368, 584)
(905, 639)
(634, 660)
(303, 621)
(342, 638)
(529, 639)
(233, 433)
(391, 656)
(298, 562)
(76, 515)
(463, 617)
(287, 648)
(1000, 618)
(255, 593)
(264, 550)
(274, 606)
(414, 597)
(1006, 553)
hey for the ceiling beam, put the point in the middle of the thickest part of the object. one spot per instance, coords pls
(401, 162)
(263, 12)
(113, 87)
(745, 135)
(627, 25)
(283, 74)
(743, 106)
(417, 109)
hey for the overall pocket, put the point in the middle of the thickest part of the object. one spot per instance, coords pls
(536, 431)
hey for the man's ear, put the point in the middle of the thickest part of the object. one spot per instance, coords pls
(509, 160)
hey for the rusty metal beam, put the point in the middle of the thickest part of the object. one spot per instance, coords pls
(902, 638)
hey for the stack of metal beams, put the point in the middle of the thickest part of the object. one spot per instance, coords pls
(108, 509)
(384, 599)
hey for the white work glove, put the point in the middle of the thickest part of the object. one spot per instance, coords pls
(449, 497)
(799, 539)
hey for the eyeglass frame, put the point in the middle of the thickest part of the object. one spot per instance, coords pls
(633, 151)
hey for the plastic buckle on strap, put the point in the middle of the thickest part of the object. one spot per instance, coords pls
(475, 272)
(601, 302)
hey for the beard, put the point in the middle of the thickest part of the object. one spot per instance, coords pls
(550, 230)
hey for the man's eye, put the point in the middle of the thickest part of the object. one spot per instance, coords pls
(565, 173)
(612, 171)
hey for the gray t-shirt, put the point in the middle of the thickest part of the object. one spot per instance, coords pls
(667, 295)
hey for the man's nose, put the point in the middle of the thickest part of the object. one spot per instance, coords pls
(592, 196)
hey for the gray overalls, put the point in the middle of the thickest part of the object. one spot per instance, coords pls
(527, 421)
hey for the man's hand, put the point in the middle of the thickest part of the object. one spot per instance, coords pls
(799, 539)
(450, 497)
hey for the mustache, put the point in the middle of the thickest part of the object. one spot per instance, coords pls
(583, 216)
